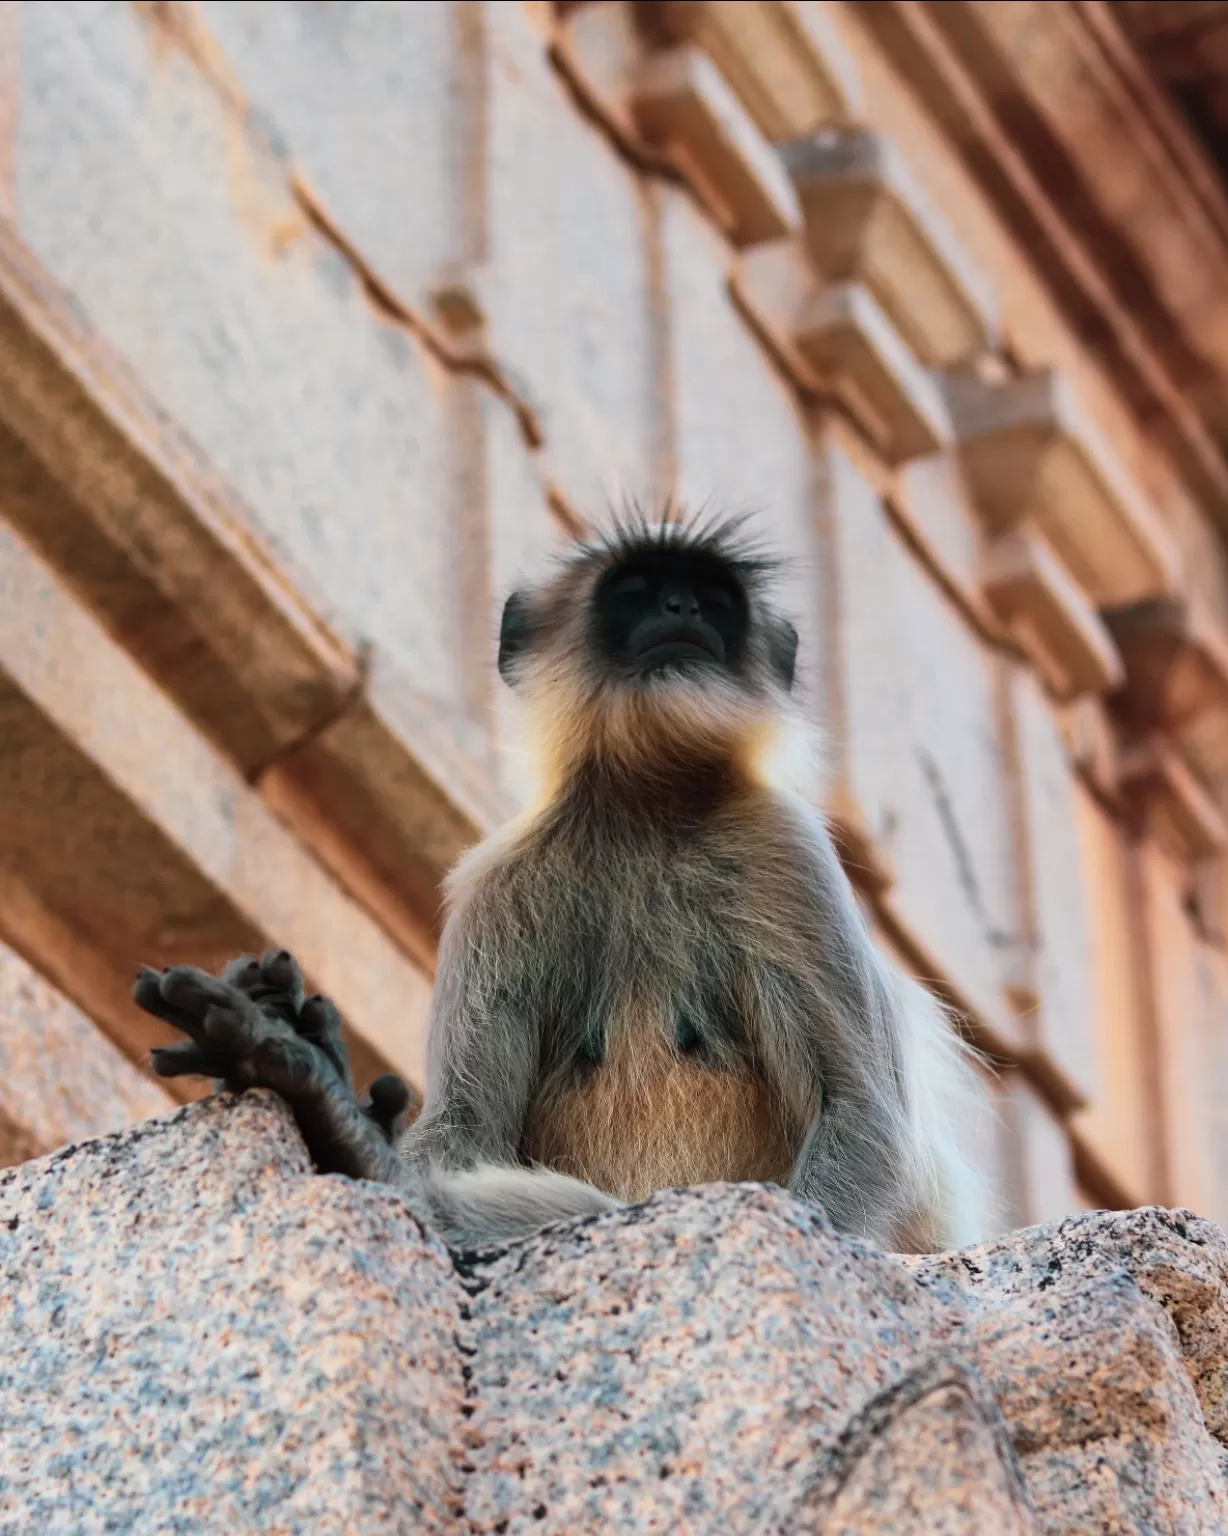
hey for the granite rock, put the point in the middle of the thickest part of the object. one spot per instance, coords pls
(1104, 1340)
(690, 1364)
(199, 1334)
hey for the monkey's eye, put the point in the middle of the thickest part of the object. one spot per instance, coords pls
(630, 585)
(716, 597)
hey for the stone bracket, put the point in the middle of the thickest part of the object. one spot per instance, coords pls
(682, 103)
(1175, 808)
(1052, 620)
(846, 336)
(869, 221)
(787, 62)
(1031, 452)
(1176, 658)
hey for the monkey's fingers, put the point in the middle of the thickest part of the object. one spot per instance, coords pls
(242, 972)
(389, 1102)
(147, 995)
(266, 1051)
(188, 1060)
(279, 970)
(319, 1022)
(193, 991)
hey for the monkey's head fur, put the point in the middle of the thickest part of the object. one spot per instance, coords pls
(650, 648)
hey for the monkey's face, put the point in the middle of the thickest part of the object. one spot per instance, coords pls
(669, 611)
(649, 637)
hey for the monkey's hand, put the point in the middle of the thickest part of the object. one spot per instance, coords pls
(252, 1027)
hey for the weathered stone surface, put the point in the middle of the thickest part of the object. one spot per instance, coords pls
(168, 213)
(197, 1334)
(1104, 1339)
(690, 1362)
(917, 745)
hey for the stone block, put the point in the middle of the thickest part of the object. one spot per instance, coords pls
(1044, 1186)
(1189, 1002)
(565, 294)
(682, 102)
(198, 1334)
(919, 762)
(1119, 1127)
(167, 212)
(390, 86)
(933, 502)
(1057, 968)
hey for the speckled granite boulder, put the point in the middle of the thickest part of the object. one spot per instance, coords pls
(714, 1360)
(197, 1334)
(1104, 1339)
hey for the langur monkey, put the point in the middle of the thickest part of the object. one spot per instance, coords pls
(657, 974)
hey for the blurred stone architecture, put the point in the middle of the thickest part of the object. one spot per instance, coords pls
(319, 321)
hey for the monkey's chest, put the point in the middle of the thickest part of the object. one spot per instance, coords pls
(651, 1116)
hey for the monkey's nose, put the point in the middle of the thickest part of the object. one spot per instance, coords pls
(680, 603)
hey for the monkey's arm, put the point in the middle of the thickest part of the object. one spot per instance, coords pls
(482, 1075)
(832, 1034)
(252, 1027)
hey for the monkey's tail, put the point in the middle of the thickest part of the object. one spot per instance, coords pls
(945, 1108)
(495, 1203)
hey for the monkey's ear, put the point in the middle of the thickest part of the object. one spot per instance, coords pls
(782, 652)
(515, 634)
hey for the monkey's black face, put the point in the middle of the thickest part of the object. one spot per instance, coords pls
(667, 610)
(664, 606)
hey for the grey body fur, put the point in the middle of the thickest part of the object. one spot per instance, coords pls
(670, 899)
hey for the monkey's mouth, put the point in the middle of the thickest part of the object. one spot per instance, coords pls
(660, 643)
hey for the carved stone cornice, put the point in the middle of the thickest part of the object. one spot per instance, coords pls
(1033, 454)
(127, 512)
(1050, 617)
(1176, 657)
(1101, 183)
(869, 221)
(111, 860)
(117, 498)
(787, 62)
